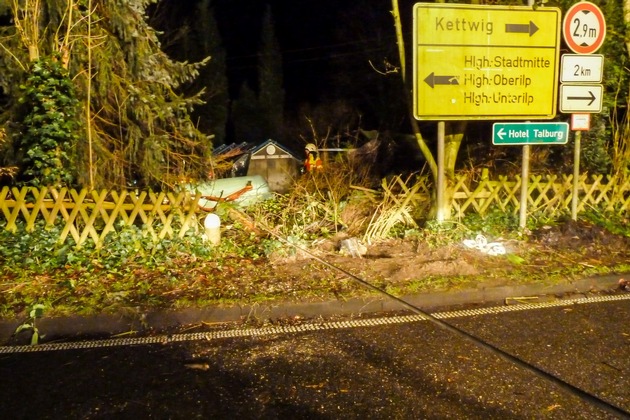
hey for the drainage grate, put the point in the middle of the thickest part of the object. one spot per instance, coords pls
(260, 332)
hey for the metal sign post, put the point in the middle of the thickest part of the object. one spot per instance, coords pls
(440, 163)
(584, 31)
(522, 214)
(576, 175)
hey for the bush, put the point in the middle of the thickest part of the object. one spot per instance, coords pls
(50, 123)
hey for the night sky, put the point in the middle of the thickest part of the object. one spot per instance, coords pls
(332, 52)
(315, 36)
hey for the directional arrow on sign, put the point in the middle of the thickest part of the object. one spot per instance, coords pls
(519, 28)
(580, 98)
(591, 98)
(530, 133)
(433, 80)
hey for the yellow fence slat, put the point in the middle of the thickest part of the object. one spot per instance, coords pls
(622, 193)
(59, 207)
(90, 218)
(178, 209)
(119, 201)
(191, 218)
(37, 207)
(18, 196)
(70, 227)
(137, 209)
(4, 202)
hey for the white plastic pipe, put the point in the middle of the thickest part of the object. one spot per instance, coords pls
(212, 224)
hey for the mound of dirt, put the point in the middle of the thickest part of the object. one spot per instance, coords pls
(574, 247)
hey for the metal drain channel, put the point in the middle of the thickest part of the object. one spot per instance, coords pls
(261, 332)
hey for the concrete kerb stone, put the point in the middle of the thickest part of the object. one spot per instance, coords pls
(75, 327)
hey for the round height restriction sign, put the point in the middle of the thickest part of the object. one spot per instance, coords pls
(584, 28)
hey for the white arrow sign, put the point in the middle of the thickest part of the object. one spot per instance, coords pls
(581, 98)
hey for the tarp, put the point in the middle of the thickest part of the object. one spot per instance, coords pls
(242, 190)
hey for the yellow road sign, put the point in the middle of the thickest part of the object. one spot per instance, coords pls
(485, 62)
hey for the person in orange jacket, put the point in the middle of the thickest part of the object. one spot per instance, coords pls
(312, 162)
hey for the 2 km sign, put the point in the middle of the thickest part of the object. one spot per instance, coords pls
(485, 62)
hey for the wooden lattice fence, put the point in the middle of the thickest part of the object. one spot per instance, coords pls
(547, 194)
(94, 214)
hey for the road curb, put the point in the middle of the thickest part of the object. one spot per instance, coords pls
(107, 325)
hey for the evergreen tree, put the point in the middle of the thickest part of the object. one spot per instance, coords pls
(212, 115)
(270, 91)
(364, 66)
(135, 125)
(192, 37)
(247, 116)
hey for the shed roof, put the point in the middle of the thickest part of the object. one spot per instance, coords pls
(264, 145)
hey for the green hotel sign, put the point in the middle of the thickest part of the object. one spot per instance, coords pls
(530, 133)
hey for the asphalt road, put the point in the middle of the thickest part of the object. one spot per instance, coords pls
(378, 368)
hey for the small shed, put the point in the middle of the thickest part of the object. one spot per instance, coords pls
(276, 164)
